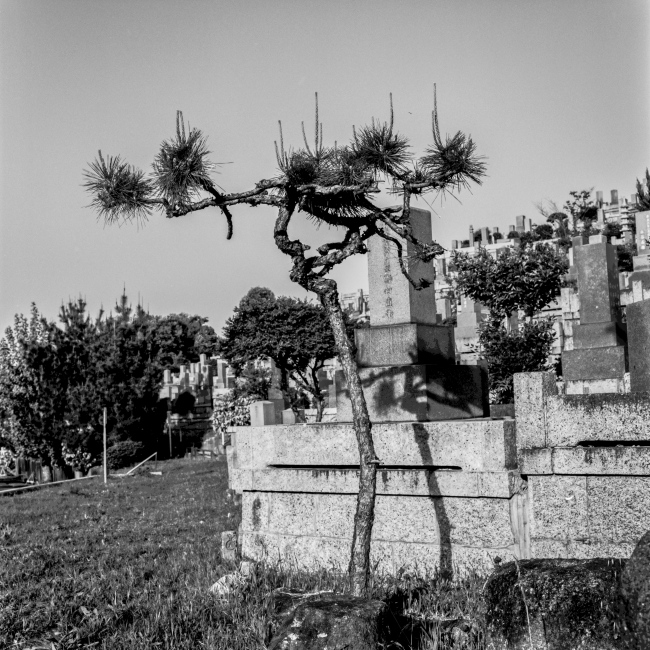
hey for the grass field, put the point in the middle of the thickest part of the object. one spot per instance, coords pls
(129, 565)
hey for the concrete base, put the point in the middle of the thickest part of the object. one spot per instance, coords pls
(419, 392)
(594, 363)
(599, 335)
(595, 386)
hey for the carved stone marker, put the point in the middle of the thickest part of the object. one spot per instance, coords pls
(598, 360)
(407, 363)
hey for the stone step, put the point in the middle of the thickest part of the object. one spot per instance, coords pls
(480, 445)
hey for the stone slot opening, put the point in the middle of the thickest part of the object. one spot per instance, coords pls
(430, 468)
(614, 443)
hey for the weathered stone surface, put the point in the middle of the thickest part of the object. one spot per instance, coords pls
(532, 390)
(408, 343)
(332, 622)
(536, 461)
(435, 520)
(418, 392)
(479, 445)
(576, 418)
(554, 605)
(598, 279)
(619, 508)
(558, 507)
(414, 482)
(395, 300)
(608, 363)
(601, 460)
(599, 335)
(502, 410)
(638, 319)
(635, 593)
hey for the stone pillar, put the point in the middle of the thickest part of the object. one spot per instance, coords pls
(598, 360)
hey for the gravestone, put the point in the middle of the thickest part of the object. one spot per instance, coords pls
(598, 360)
(263, 414)
(407, 363)
(638, 327)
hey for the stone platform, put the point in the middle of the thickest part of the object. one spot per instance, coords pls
(586, 459)
(447, 494)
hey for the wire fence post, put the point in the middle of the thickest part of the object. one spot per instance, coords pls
(105, 459)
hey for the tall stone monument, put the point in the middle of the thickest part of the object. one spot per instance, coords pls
(407, 363)
(598, 360)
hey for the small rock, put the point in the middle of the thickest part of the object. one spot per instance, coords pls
(635, 592)
(227, 584)
(332, 622)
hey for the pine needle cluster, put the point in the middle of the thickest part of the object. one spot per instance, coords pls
(182, 168)
(119, 191)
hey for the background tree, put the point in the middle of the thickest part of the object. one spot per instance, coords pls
(295, 334)
(522, 279)
(31, 394)
(643, 192)
(335, 186)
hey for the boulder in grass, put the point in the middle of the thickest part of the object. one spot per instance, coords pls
(555, 604)
(332, 622)
(635, 593)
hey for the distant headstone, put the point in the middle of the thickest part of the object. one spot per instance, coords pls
(262, 413)
(638, 341)
(599, 341)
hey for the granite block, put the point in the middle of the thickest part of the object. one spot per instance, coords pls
(477, 445)
(608, 363)
(599, 335)
(601, 460)
(558, 508)
(418, 392)
(538, 460)
(443, 520)
(405, 344)
(619, 508)
(576, 418)
(638, 319)
(532, 390)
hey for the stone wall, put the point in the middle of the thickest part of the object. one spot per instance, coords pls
(447, 494)
(586, 460)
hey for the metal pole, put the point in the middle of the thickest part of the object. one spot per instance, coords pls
(169, 430)
(105, 459)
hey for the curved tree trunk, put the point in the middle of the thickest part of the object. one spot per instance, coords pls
(359, 567)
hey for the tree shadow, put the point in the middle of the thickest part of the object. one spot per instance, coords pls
(422, 441)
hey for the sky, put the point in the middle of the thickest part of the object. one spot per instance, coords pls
(556, 95)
